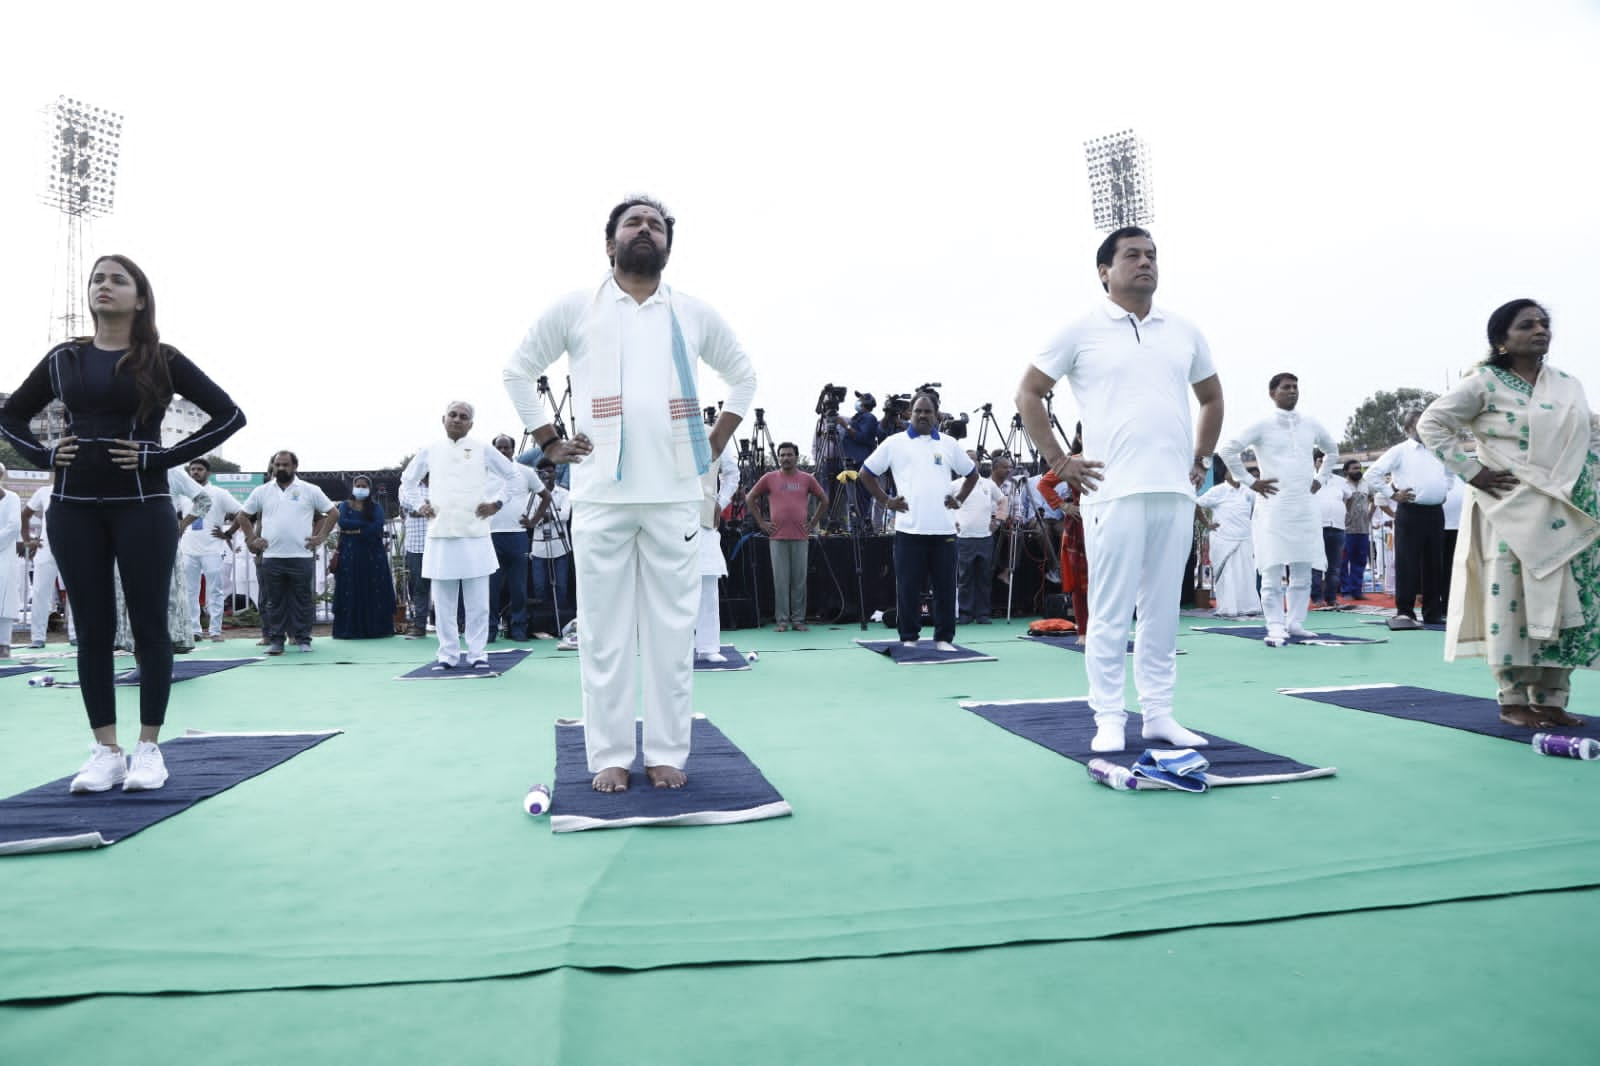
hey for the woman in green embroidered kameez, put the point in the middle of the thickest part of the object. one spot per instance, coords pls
(1525, 592)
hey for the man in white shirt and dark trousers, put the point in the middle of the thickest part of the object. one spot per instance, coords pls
(1287, 528)
(1131, 367)
(633, 346)
(203, 551)
(923, 464)
(468, 482)
(510, 579)
(551, 546)
(287, 542)
(975, 527)
(1418, 484)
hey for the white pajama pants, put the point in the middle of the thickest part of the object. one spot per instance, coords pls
(475, 592)
(639, 587)
(1136, 547)
(210, 567)
(43, 596)
(708, 626)
(1280, 626)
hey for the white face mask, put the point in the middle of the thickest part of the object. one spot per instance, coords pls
(361, 494)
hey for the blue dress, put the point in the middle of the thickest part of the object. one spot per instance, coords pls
(363, 589)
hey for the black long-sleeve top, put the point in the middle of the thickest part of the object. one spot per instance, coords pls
(102, 406)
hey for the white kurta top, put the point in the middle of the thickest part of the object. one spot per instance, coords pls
(720, 482)
(11, 566)
(1288, 525)
(462, 474)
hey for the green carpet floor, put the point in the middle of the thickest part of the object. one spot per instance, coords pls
(399, 853)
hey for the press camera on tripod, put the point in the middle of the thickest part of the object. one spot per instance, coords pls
(829, 399)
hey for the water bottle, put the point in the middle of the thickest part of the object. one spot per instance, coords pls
(1556, 744)
(537, 801)
(1111, 775)
(42, 681)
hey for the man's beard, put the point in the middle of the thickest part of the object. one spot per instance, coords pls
(283, 477)
(641, 257)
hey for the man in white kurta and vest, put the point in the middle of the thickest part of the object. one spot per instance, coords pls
(468, 483)
(634, 345)
(1131, 366)
(1287, 528)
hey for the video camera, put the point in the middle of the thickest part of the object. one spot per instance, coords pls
(955, 427)
(829, 399)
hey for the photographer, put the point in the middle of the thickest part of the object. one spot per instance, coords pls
(860, 438)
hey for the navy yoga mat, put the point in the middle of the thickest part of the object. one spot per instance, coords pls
(724, 786)
(50, 818)
(499, 662)
(924, 653)
(1260, 632)
(735, 660)
(1473, 714)
(1067, 726)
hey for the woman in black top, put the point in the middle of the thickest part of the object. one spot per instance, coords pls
(110, 502)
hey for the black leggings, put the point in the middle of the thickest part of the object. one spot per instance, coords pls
(142, 539)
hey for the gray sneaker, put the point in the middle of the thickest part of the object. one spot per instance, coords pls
(106, 768)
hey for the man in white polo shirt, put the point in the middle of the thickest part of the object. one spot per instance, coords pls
(634, 346)
(924, 465)
(510, 535)
(1131, 367)
(976, 522)
(1418, 485)
(296, 518)
(468, 482)
(203, 551)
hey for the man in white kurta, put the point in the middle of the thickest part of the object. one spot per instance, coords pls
(204, 550)
(45, 571)
(634, 345)
(718, 485)
(1288, 524)
(11, 565)
(1131, 366)
(1233, 566)
(468, 483)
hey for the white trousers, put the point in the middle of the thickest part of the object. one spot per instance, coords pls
(1233, 573)
(446, 592)
(638, 593)
(1279, 625)
(708, 626)
(43, 595)
(210, 567)
(1136, 547)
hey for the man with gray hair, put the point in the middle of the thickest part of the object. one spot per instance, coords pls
(468, 484)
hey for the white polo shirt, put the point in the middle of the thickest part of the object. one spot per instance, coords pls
(923, 468)
(288, 516)
(37, 503)
(1412, 466)
(973, 518)
(197, 538)
(1131, 380)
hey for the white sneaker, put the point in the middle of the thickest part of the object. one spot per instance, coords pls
(1275, 642)
(147, 769)
(106, 768)
(1167, 730)
(715, 657)
(943, 645)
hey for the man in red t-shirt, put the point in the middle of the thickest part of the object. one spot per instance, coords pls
(780, 501)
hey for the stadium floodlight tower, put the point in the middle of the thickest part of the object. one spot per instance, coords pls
(1119, 181)
(80, 181)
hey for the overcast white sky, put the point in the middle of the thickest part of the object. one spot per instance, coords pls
(352, 212)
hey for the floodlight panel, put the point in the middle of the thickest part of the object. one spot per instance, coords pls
(1119, 181)
(82, 170)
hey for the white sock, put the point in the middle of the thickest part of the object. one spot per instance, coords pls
(1167, 729)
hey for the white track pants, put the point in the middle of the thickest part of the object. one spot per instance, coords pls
(708, 626)
(1136, 547)
(1279, 625)
(208, 566)
(475, 592)
(638, 576)
(43, 596)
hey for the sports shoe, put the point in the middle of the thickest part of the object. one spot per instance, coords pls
(147, 769)
(275, 648)
(106, 768)
(303, 646)
(481, 666)
(36, 644)
(440, 666)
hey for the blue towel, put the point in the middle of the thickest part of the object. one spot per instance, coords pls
(735, 661)
(499, 662)
(50, 818)
(1260, 632)
(1471, 714)
(924, 653)
(1180, 768)
(1067, 726)
(724, 787)
(182, 670)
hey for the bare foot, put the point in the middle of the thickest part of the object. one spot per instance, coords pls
(1549, 716)
(1525, 717)
(611, 779)
(666, 776)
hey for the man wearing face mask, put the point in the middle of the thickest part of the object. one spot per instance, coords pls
(286, 543)
(860, 437)
(468, 484)
(924, 465)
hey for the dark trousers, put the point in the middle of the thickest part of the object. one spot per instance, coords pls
(919, 557)
(1325, 583)
(975, 576)
(510, 582)
(142, 539)
(1447, 564)
(418, 589)
(286, 586)
(1419, 560)
(1354, 570)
